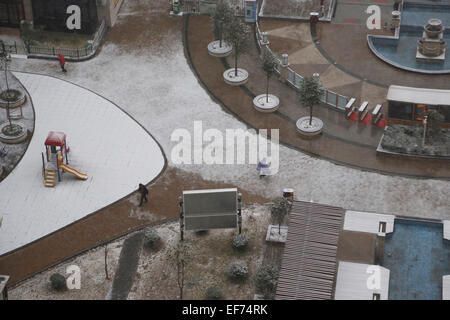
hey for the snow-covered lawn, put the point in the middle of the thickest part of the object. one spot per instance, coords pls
(152, 81)
(105, 143)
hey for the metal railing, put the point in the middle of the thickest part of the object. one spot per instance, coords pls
(52, 52)
(205, 6)
(328, 97)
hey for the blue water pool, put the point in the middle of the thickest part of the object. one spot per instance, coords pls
(417, 256)
(419, 16)
(401, 52)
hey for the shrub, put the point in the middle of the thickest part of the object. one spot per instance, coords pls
(201, 233)
(238, 270)
(214, 293)
(266, 280)
(151, 239)
(58, 282)
(240, 242)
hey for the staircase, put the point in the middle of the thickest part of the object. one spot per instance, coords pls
(49, 178)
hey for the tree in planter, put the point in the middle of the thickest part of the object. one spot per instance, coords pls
(221, 17)
(435, 119)
(4, 64)
(269, 64)
(279, 210)
(236, 33)
(309, 94)
(180, 255)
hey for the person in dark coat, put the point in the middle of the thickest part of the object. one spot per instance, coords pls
(144, 192)
(62, 62)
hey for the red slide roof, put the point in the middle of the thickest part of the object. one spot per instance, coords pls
(55, 139)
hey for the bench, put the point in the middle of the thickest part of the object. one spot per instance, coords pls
(363, 110)
(349, 108)
(376, 114)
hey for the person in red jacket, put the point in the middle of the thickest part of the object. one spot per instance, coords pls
(62, 62)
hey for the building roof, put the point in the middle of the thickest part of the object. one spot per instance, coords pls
(308, 268)
(419, 95)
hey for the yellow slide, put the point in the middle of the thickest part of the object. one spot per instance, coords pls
(66, 168)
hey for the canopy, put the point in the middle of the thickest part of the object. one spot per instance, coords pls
(419, 95)
(56, 139)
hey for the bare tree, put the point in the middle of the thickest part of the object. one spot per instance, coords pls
(180, 255)
(106, 262)
(269, 64)
(4, 60)
(222, 16)
(279, 210)
(237, 33)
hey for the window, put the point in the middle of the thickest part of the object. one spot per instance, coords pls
(400, 110)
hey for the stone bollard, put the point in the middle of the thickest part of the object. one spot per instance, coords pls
(284, 67)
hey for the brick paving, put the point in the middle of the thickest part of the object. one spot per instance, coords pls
(333, 145)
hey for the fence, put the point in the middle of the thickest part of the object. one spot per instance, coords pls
(206, 7)
(330, 98)
(51, 52)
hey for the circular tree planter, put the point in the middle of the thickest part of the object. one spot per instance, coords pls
(262, 104)
(11, 134)
(230, 77)
(218, 51)
(15, 98)
(306, 129)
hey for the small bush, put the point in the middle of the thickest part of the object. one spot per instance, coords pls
(266, 281)
(201, 233)
(238, 270)
(58, 282)
(240, 242)
(214, 293)
(151, 239)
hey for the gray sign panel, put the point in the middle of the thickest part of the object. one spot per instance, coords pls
(210, 209)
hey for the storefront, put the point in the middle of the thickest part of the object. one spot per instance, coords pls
(410, 105)
(11, 13)
(51, 15)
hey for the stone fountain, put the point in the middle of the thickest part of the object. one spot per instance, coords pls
(432, 45)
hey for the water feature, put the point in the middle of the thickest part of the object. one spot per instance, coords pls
(417, 256)
(401, 51)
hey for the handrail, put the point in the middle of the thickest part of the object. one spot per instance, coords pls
(293, 78)
(74, 54)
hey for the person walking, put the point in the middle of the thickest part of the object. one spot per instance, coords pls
(62, 62)
(144, 192)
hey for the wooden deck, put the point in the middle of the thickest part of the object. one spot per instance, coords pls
(308, 269)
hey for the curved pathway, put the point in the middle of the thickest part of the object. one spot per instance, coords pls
(343, 142)
(143, 68)
(104, 142)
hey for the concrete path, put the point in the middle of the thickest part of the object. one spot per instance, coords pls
(105, 143)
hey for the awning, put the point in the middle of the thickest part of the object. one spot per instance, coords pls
(55, 139)
(419, 95)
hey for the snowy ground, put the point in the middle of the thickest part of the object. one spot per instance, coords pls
(104, 142)
(153, 82)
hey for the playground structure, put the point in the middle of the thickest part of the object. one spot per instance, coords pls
(56, 150)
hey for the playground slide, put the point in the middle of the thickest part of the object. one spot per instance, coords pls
(76, 173)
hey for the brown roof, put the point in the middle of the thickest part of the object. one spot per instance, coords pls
(308, 269)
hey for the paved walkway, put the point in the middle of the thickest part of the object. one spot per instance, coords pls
(344, 141)
(105, 143)
(157, 88)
